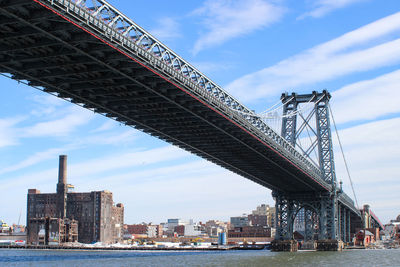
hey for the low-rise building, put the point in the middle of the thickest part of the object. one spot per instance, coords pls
(364, 238)
(213, 228)
(250, 231)
(142, 230)
(4, 227)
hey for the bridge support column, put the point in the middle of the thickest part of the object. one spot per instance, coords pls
(325, 220)
(339, 222)
(328, 217)
(348, 227)
(343, 223)
(284, 216)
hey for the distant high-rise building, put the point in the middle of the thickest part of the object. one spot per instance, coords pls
(299, 221)
(66, 216)
(264, 210)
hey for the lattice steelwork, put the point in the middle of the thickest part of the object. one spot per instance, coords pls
(321, 133)
(285, 213)
(326, 204)
(311, 224)
(321, 215)
(289, 120)
(325, 149)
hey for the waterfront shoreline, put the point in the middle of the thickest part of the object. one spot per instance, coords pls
(30, 247)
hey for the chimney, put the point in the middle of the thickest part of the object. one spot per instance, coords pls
(62, 187)
(62, 170)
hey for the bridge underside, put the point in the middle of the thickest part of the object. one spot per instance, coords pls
(52, 53)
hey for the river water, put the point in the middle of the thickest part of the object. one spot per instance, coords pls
(79, 258)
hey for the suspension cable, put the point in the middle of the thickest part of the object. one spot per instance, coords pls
(344, 158)
(274, 108)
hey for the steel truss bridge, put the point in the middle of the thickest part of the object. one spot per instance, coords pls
(91, 54)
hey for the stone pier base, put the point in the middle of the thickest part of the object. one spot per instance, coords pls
(309, 245)
(330, 245)
(284, 245)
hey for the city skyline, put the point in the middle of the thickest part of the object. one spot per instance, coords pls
(282, 45)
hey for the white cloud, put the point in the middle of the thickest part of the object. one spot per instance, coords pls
(168, 28)
(117, 138)
(7, 131)
(34, 159)
(225, 20)
(126, 160)
(46, 105)
(188, 190)
(372, 151)
(341, 56)
(121, 137)
(323, 7)
(108, 125)
(367, 100)
(212, 67)
(74, 118)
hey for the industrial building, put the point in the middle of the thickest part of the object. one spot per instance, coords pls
(64, 216)
(250, 231)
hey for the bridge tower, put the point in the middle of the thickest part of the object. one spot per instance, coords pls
(323, 217)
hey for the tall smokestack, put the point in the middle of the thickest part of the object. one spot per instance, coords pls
(62, 187)
(62, 170)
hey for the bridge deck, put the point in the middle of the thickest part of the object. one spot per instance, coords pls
(62, 55)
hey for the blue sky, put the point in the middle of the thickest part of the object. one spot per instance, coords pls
(255, 49)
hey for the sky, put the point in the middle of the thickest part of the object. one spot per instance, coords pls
(254, 49)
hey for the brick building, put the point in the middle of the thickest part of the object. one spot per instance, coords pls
(94, 213)
(250, 231)
(52, 231)
(144, 230)
(258, 220)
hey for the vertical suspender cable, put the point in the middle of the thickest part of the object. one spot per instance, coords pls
(344, 159)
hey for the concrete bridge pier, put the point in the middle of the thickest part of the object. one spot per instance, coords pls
(329, 245)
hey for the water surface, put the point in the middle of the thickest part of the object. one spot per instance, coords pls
(210, 258)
